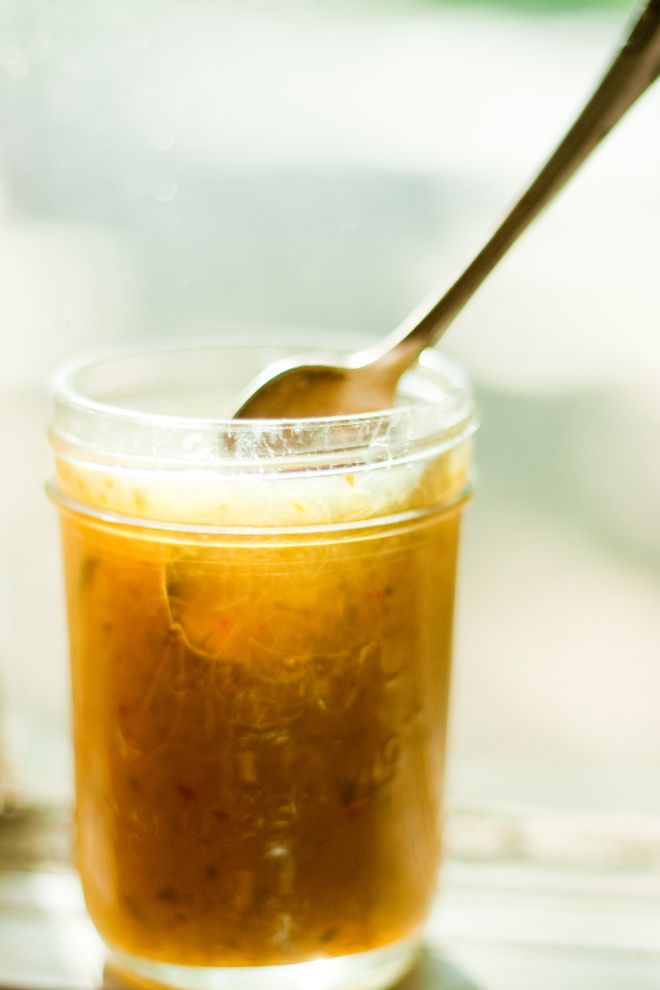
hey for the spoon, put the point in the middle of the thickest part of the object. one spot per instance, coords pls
(323, 386)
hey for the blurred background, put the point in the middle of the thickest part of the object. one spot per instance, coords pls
(177, 167)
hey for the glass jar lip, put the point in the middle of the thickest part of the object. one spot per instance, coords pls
(92, 428)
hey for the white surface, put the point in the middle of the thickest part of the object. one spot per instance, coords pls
(497, 926)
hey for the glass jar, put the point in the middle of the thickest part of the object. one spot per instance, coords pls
(260, 618)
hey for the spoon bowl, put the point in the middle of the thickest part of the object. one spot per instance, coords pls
(322, 385)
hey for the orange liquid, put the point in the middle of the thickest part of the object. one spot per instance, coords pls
(259, 736)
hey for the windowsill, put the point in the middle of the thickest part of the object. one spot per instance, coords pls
(502, 922)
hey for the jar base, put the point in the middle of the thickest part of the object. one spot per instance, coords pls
(373, 970)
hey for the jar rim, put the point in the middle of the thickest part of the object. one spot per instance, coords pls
(91, 425)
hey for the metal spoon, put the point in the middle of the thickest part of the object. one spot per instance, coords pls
(365, 381)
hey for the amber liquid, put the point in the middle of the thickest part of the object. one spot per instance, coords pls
(259, 736)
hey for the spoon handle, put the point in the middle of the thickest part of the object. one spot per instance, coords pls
(633, 70)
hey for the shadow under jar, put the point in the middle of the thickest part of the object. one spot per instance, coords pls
(260, 620)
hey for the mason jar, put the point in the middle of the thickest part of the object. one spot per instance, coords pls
(260, 622)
